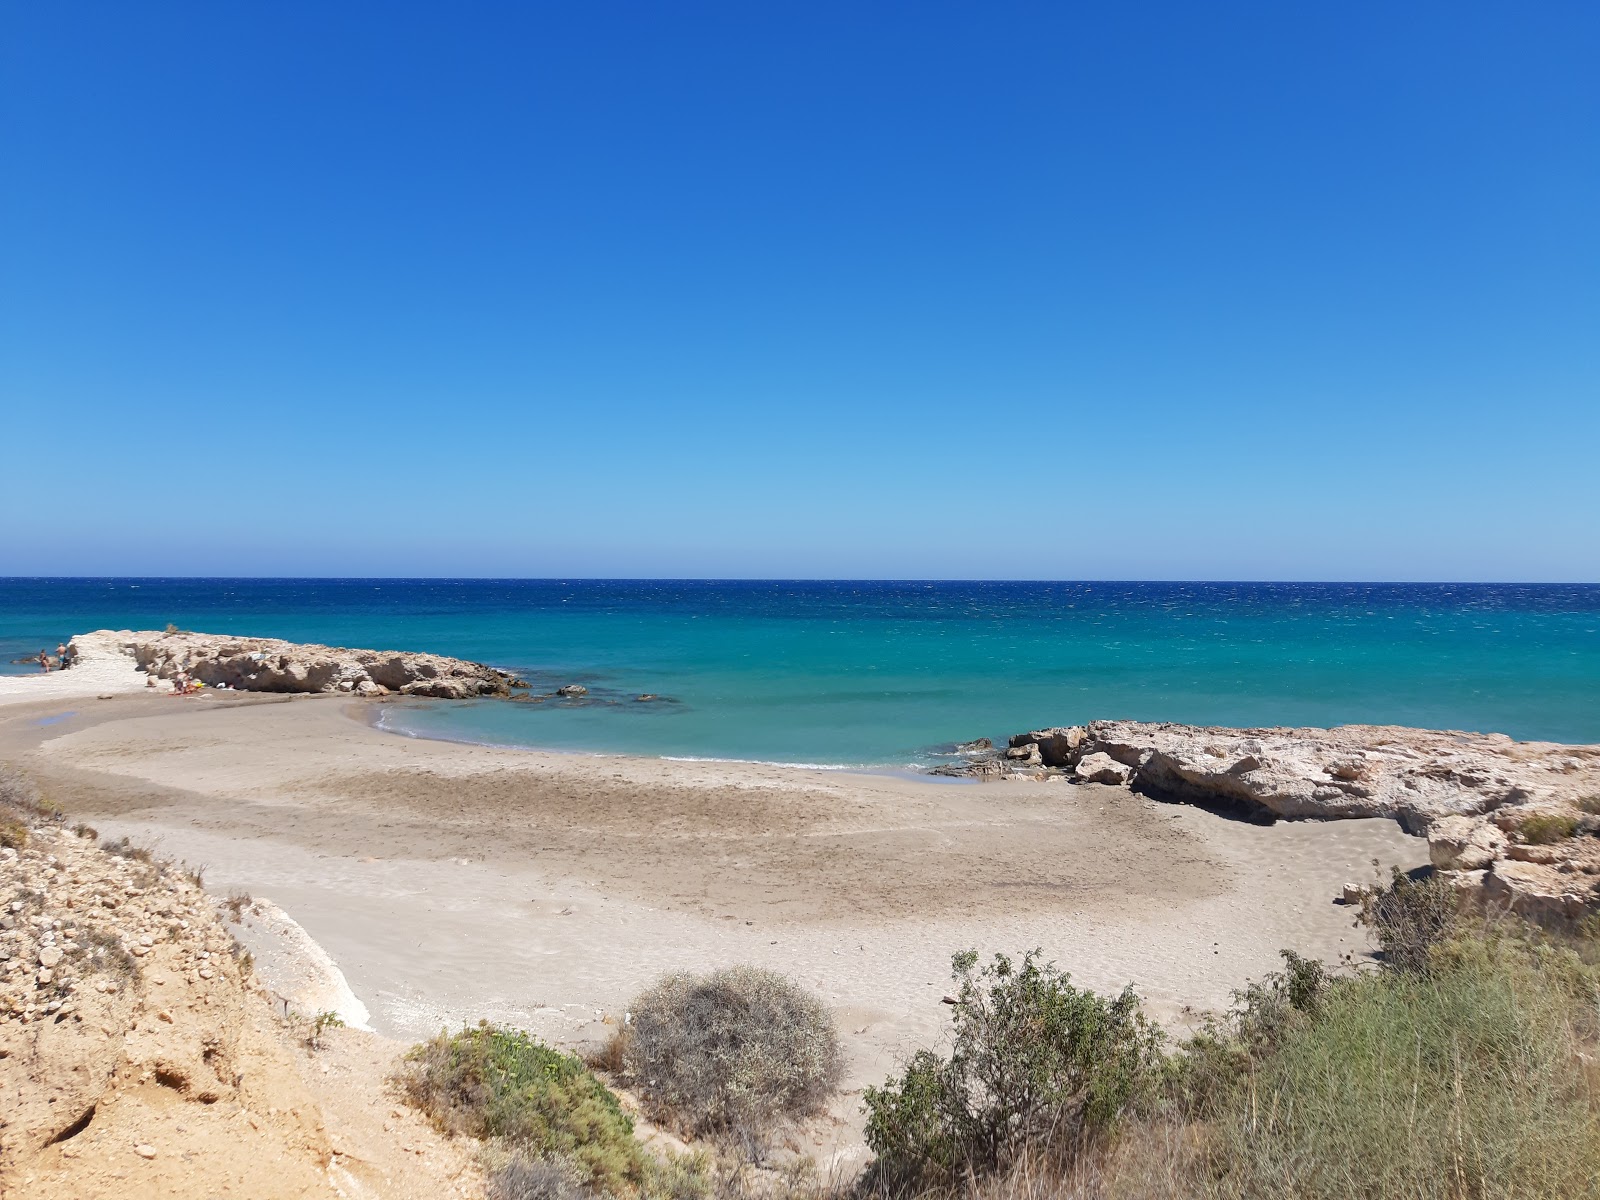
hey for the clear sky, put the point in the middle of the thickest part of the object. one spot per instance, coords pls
(1216, 291)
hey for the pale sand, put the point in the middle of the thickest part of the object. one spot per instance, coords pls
(453, 882)
(102, 675)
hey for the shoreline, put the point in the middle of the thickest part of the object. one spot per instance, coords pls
(450, 882)
(372, 711)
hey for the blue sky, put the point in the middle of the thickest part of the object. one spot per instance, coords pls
(929, 290)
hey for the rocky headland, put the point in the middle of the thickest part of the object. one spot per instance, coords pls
(270, 665)
(1516, 823)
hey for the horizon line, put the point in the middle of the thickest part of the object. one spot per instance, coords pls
(724, 579)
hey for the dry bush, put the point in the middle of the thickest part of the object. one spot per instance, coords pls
(1411, 916)
(733, 1051)
(123, 848)
(516, 1176)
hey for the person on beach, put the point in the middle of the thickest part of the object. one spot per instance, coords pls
(44, 661)
(61, 656)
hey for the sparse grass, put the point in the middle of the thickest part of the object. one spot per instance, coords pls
(195, 875)
(1466, 1079)
(88, 832)
(123, 848)
(236, 903)
(1590, 804)
(731, 1052)
(1544, 829)
(505, 1087)
(22, 806)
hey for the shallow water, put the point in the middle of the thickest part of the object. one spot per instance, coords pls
(851, 673)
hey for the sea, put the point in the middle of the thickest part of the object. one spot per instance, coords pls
(852, 674)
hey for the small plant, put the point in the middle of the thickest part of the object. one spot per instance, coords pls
(195, 875)
(1544, 829)
(88, 832)
(733, 1051)
(319, 1025)
(503, 1086)
(105, 950)
(1590, 804)
(1037, 1065)
(236, 903)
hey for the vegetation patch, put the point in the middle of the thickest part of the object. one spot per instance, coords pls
(1463, 1065)
(1544, 829)
(733, 1051)
(505, 1087)
(21, 807)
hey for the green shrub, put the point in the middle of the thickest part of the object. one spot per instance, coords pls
(732, 1051)
(1544, 829)
(1036, 1064)
(501, 1084)
(1410, 917)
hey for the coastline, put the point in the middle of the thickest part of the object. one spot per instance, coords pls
(455, 882)
(452, 882)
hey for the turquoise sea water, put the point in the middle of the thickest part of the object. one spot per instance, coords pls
(884, 674)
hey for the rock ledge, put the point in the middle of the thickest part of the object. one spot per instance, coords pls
(1515, 822)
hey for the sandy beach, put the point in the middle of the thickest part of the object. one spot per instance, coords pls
(454, 882)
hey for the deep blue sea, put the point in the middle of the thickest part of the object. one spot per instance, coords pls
(884, 674)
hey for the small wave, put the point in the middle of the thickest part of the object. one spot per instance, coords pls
(766, 762)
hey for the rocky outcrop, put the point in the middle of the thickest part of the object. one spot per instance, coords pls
(271, 665)
(1100, 768)
(1057, 747)
(1515, 822)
